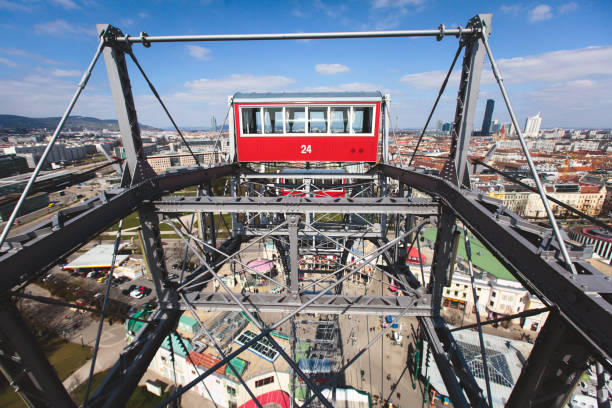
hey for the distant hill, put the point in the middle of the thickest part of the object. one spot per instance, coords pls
(73, 122)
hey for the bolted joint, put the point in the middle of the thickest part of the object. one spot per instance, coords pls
(293, 219)
(110, 35)
(440, 35)
(143, 38)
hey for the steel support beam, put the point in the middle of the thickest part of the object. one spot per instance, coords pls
(352, 232)
(469, 86)
(310, 175)
(457, 378)
(286, 303)
(119, 384)
(294, 256)
(119, 79)
(541, 275)
(443, 260)
(440, 32)
(33, 375)
(287, 204)
(554, 367)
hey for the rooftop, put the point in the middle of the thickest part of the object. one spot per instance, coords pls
(481, 257)
(307, 96)
(504, 359)
(99, 256)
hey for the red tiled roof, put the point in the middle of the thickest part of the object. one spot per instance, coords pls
(589, 189)
(279, 398)
(207, 361)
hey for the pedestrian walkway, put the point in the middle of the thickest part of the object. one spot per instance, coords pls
(112, 342)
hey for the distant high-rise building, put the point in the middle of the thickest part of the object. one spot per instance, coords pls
(439, 125)
(532, 126)
(495, 126)
(486, 122)
(509, 129)
(213, 123)
(446, 127)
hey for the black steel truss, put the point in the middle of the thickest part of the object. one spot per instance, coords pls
(568, 341)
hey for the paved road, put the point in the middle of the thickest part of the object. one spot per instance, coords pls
(112, 342)
(385, 364)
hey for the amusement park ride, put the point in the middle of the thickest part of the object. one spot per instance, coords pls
(311, 171)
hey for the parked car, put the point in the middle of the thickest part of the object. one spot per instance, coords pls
(137, 294)
(128, 290)
(102, 278)
(172, 276)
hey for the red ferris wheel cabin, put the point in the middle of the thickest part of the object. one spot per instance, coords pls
(329, 126)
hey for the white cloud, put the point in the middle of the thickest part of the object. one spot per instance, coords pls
(126, 22)
(430, 79)
(331, 69)
(62, 28)
(38, 95)
(540, 13)
(510, 9)
(556, 66)
(23, 53)
(67, 4)
(7, 62)
(66, 73)
(568, 7)
(334, 10)
(142, 14)
(569, 87)
(13, 6)
(299, 13)
(348, 87)
(564, 65)
(218, 89)
(395, 3)
(198, 52)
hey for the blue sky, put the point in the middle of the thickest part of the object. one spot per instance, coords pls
(555, 56)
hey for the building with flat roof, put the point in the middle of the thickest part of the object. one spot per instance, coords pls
(11, 164)
(98, 257)
(505, 360)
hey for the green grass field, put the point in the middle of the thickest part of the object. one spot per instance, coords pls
(65, 357)
(481, 257)
(141, 398)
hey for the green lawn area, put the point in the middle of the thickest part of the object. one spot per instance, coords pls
(481, 257)
(64, 357)
(140, 398)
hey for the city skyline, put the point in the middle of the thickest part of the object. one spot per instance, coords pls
(49, 45)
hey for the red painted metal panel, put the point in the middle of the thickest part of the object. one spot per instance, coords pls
(310, 148)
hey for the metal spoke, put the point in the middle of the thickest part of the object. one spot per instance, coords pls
(532, 169)
(219, 350)
(257, 323)
(54, 137)
(101, 322)
(483, 351)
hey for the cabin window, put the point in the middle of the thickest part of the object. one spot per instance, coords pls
(287, 120)
(362, 120)
(296, 120)
(339, 121)
(273, 120)
(251, 120)
(317, 120)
